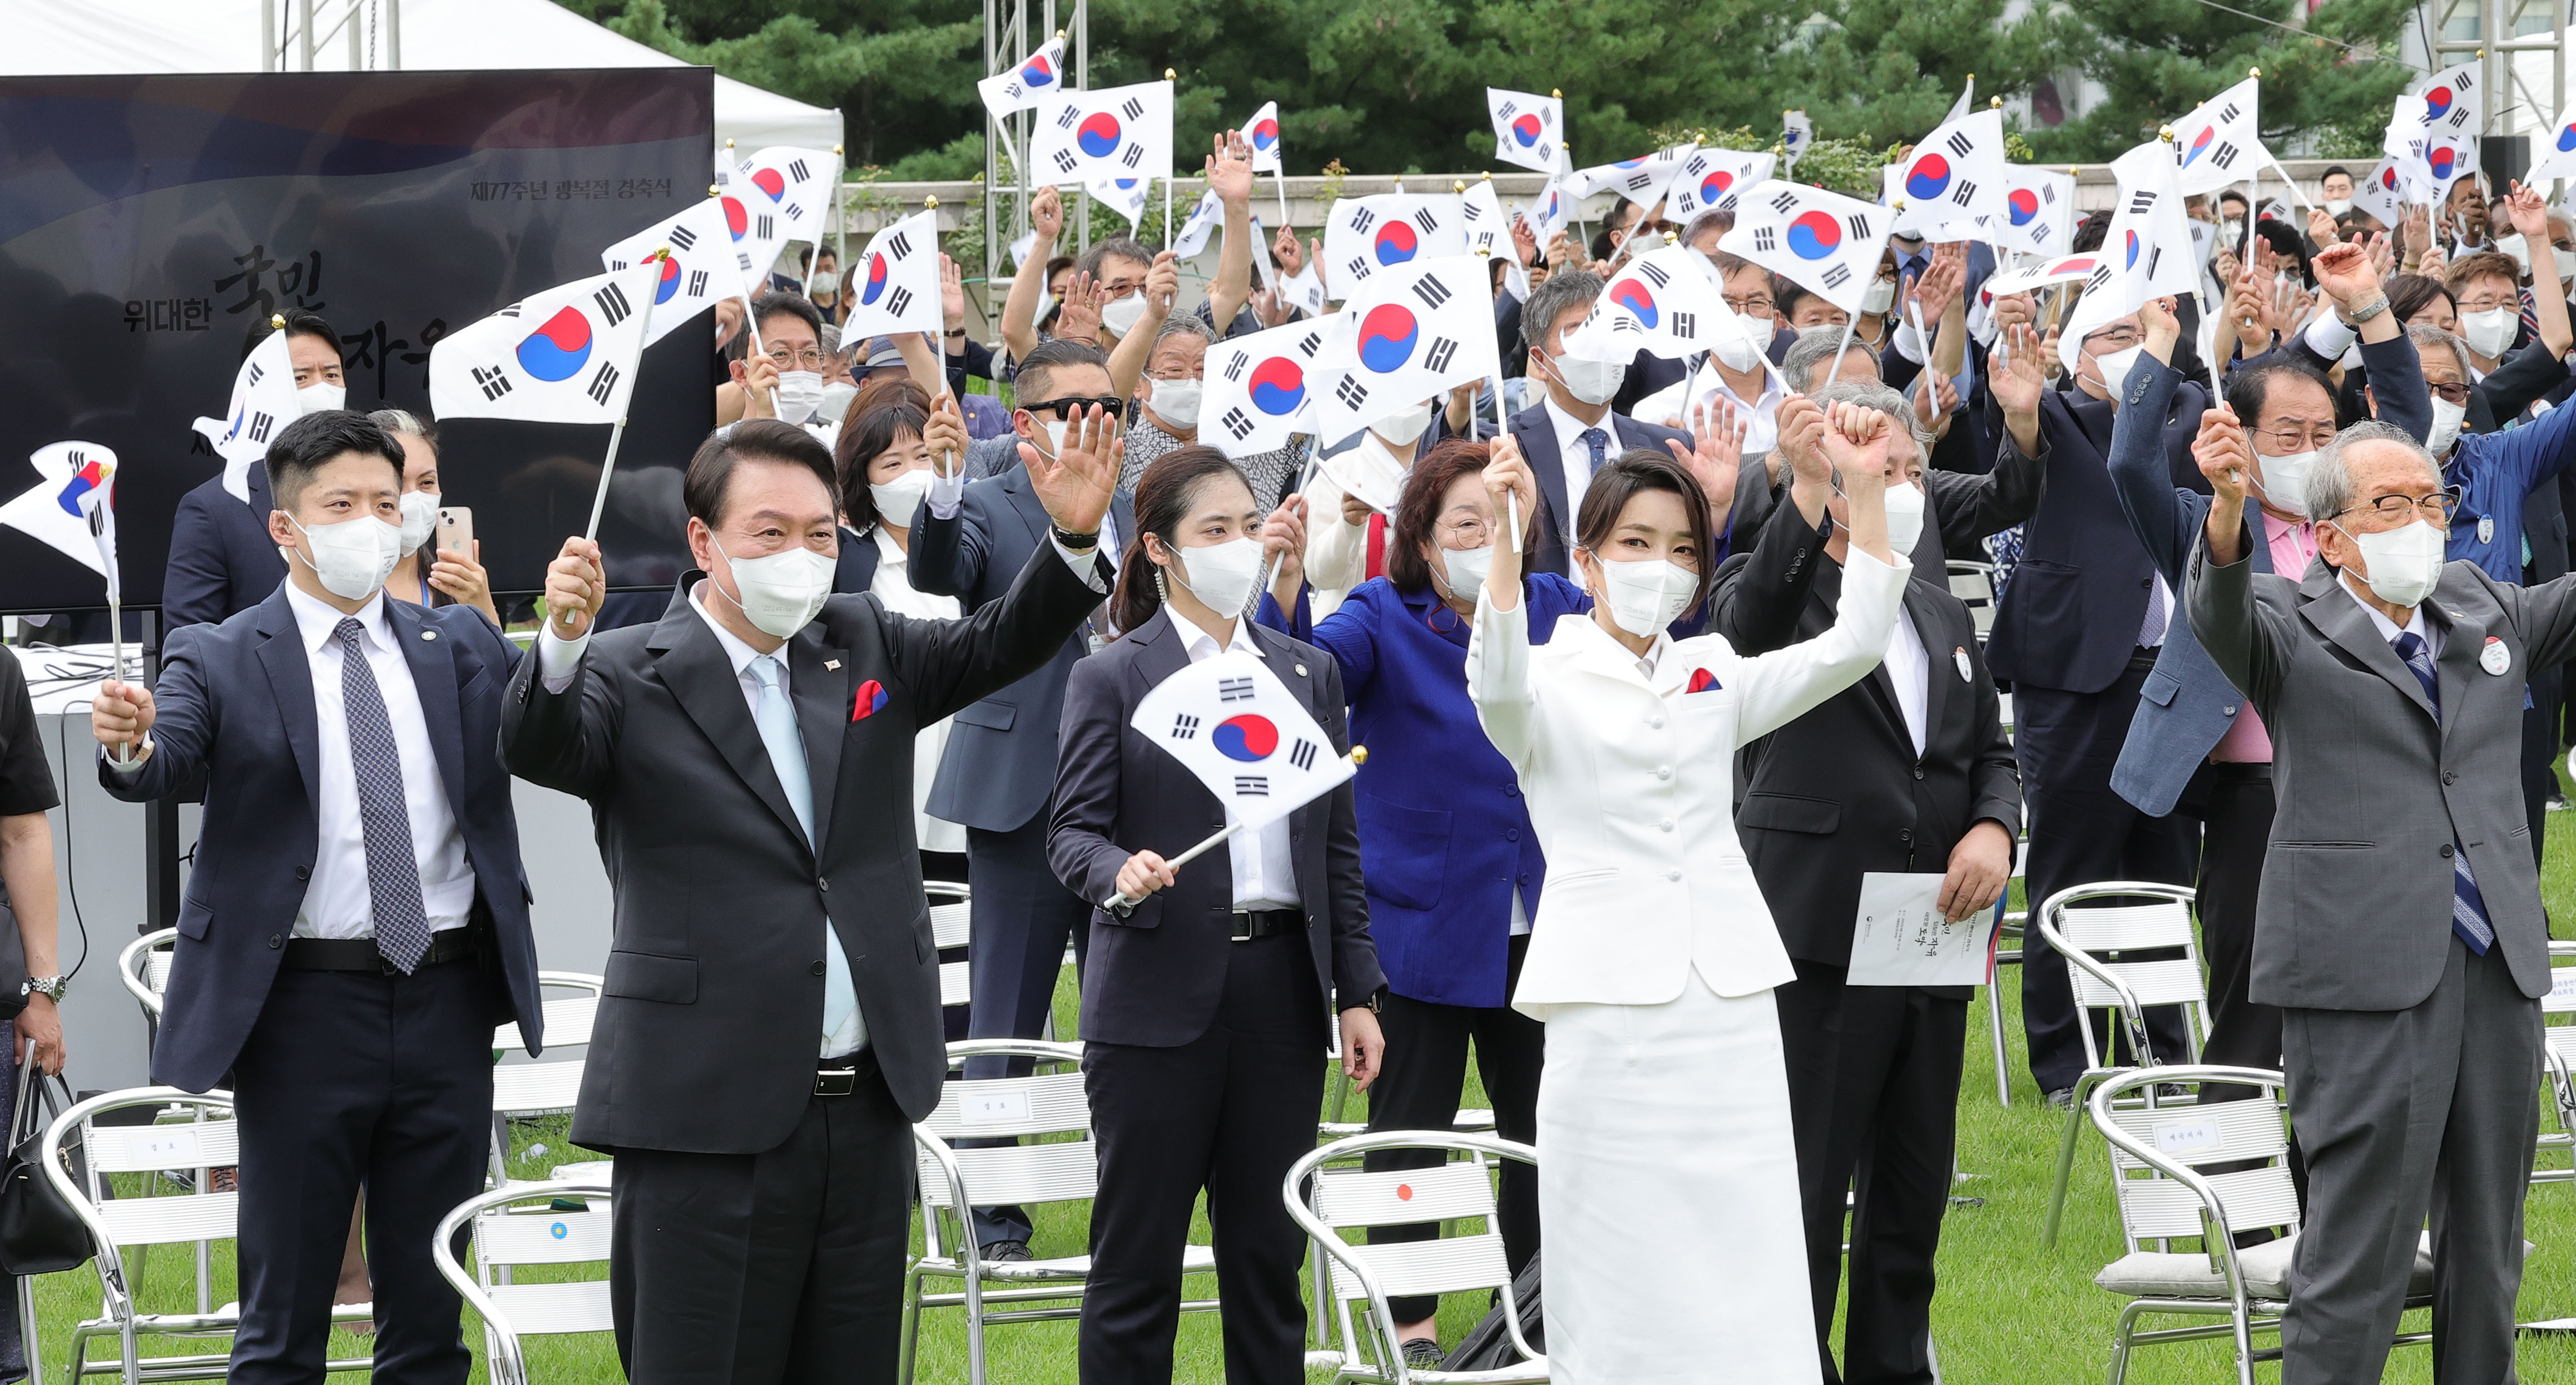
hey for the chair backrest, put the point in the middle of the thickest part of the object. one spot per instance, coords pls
(1974, 585)
(1337, 1198)
(951, 923)
(144, 967)
(2159, 1148)
(569, 1017)
(191, 1136)
(521, 1227)
(2095, 939)
(1044, 1103)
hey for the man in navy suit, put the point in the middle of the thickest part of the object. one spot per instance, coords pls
(1572, 432)
(222, 561)
(1000, 765)
(357, 921)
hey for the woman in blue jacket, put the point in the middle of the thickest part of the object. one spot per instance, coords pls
(1451, 865)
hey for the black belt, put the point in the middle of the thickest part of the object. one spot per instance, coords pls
(2144, 656)
(360, 954)
(1265, 923)
(840, 1076)
(2241, 770)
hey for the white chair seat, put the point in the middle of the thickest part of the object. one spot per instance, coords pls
(2187, 1274)
(1194, 1260)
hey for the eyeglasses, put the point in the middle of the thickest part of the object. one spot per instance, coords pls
(2117, 339)
(2436, 507)
(811, 358)
(2490, 303)
(1465, 533)
(2451, 394)
(1199, 374)
(1752, 304)
(2293, 437)
(1109, 406)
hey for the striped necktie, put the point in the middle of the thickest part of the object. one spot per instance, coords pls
(2468, 906)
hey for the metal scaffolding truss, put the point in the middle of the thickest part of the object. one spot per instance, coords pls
(292, 31)
(1008, 44)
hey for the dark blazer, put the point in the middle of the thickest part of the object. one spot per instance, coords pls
(1536, 433)
(1645, 375)
(234, 707)
(222, 561)
(856, 568)
(707, 1035)
(1154, 977)
(1961, 508)
(1001, 757)
(1840, 791)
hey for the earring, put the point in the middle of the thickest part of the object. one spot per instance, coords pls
(1162, 590)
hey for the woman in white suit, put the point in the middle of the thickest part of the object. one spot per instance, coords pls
(1663, 1111)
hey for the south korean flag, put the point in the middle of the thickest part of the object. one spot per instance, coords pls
(2221, 141)
(700, 269)
(1364, 236)
(1412, 332)
(1261, 388)
(1529, 130)
(1489, 234)
(895, 287)
(1957, 174)
(1641, 180)
(1116, 132)
(793, 184)
(1262, 133)
(1796, 135)
(1665, 303)
(1822, 241)
(1129, 197)
(1204, 220)
(263, 401)
(1552, 210)
(566, 355)
(1711, 179)
(2382, 192)
(2454, 103)
(1026, 85)
(2147, 252)
(2039, 212)
(2065, 269)
(1231, 722)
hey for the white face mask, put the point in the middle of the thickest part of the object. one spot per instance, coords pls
(900, 499)
(2231, 232)
(2489, 332)
(353, 556)
(2337, 206)
(836, 401)
(1176, 402)
(420, 516)
(1905, 511)
(1221, 575)
(1878, 297)
(2115, 369)
(317, 398)
(2518, 248)
(1593, 382)
(1465, 569)
(800, 393)
(1400, 430)
(2285, 480)
(1647, 595)
(781, 592)
(1740, 353)
(2405, 564)
(2447, 418)
(1055, 429)
(1122, 315)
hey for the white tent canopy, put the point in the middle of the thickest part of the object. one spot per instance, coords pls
(78, 37)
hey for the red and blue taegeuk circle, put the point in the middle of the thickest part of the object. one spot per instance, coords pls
(737, 221)
(2023, 204)
(1636, 298)
(1815, 235)
(1387, 336)
(769, 181)
(89, 478)
(1098, 134)
(1713, 187)
(1265, 135)
(1278, 387)
(2567, 139)
(559, 349)
(2388, 176)
(2132, 261)
(1396, 242)
(2441, 161)
(669, 284)
(1038, 72)
(878, 272)
(2199, 144)
(1525, 129)
(1247, 737)
(2437, 103)
(1928, 178)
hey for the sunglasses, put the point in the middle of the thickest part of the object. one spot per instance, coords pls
(1109, 406)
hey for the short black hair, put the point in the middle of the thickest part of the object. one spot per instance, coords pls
(863, 439)
(1636, 471)
(2332, 170)
(303, 446)
(710, 474)
(796, 305)
(299, 323)
(1036, 377)
(1116, 247)
(2249, 387)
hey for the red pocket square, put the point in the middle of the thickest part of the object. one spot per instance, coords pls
(1701, 680)
(870, 701)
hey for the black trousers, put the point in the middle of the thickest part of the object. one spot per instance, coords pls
(786, 1265)
(1022, 918)
(1228, 1111)
(1425, 1070)
(2082, 833)
(1873, 1106)
(349, 1079)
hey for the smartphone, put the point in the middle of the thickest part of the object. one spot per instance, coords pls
(455, 530)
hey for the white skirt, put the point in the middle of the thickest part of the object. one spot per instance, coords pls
(1668, 1184)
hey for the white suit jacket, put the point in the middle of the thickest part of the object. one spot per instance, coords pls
(1630, 785)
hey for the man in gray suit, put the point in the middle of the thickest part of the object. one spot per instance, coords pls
(2399, 920)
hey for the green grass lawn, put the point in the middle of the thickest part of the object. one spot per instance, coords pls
(2009, 1311)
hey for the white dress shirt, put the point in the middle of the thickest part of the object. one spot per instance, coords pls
(1760, 415)
(2416, 625)
(1576, 454)
(893, 586)
(1909, 667)
(1265, 877)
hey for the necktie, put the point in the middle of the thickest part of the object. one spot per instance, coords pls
(776, 718)
(1599, 443)
(384, 820)
(2468, 906)
(2152, 632)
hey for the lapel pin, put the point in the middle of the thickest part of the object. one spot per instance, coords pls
(2486, 529)
(2496, 657)
(1959, 656)
(1301, 670)
(429, 634)
(831, 663)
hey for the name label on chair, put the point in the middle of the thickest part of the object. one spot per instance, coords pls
(992, 1108)
(171, 1150)
(2562, 987)
(2183, 1138)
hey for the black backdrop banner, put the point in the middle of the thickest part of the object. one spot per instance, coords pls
(146, 223)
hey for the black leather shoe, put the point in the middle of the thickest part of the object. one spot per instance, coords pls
(2062, 1099)
(1001, 1252)
(1423, 1354)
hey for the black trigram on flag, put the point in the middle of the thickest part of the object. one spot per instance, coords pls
(1131, 108)
(2094, 282)
(1234, 366)
(1510, 109)
(257, 372)
(1184, 727)
(2141, 202)
(1303, 755)
(1234, 690)
(1252, 786)
(1308, 344)
(620, 266)
(1431, 291)
(1362, 219)
(1965, 192)
(1065, 118)
(1423, 218)
(1546, 152)
(795, 211)
(1236, 424)
(682, 237)
(1764, 238)
(899, 245)
(2048, 193)
(697, 283)
(1686, 326)
(1065, 162)
(798, 171)
(1471, 211)
(612, 304)
(1442, 352)
(1360, 267)
(1837, 276)
(2039, 233)
(261, 423)
(2228, 115)
(494, 380)
(2224, 155)
(1784, 203)
(603, 383)
(1654, 274)
(1351, 392)
(1135, 155)
(1640, 181)
(902, 299)
(766, 228)
(1960, 144)
(510, 311)
(1859, 225)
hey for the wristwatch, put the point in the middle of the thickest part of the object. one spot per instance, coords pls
(50, 987)
(1077, 542)
(2368, 311)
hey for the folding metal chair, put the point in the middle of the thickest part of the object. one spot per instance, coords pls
(2158, 1146)
(951, 924)
(144, 967)
(2010, 926)
(1335, 1125)
(2093, 941)
(2557, 1147)
(1974, 585)
(193, 1135)
(548, 1084)
(953, 1180)
(517, 1227)
(1326, 1201)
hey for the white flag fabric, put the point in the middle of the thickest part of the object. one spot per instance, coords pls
(1364, 236)
(71, 508)
(1529, 130)
(1959, 107)
(756, 235)
(1129, 197)
(2039, 211)
(566, 355)
(1368, 475)
(1305, 289)
(1262, 133)
(1412, 332)
(1232, 723)
(263, 401)
(1204, 220)
(1115, 132)
(1641, 180)
(700, 269)
(1026, 85)
(1956, 174)
(1664, 303)
(2146, 252)
(1261, 260)
(2557, 147)
(2426, 160)
(2382, 193)
(1824, 242)
(793, 184)
(2063, 270)
(2454, 103)
(1260, 388)
(1797, 133)
(1481, 213)
(2221, 142)
(897, 286)
(1552, 211)
(1711, 179)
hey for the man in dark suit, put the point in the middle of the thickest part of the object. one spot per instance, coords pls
(1908, 770)
(222, 560)
(1568, 436)
(1000, 763)
(771, 1023)
(358, 920)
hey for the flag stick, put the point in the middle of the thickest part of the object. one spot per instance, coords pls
(1279, 178)
(751, 324)
(1167, 213)
(617, 430)
(123, 754)
(1839, 353)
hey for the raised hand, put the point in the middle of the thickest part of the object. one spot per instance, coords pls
(1940, 283)
(2529, 214)
(1046, 215)
(2013, 310)
(459, 573)
(1283, 542)
(2223, 454)
(1229, 169)
(119, 713)
(575, 587)
(2246, 305)
(1269, 309)
(758, 376)
(1524, 241)
(1716, 450)
(1079, 317)
(1509, 488)
(1076, 484)
(945, 435)
(1290, 255)
(1162, 284)
(2417, 229)
(952, 294)
(2347, 276)
(1563, 253)
(2322, 228)
(2016, 379)
(1856, 442)
(2158, 325)
(1801, 443)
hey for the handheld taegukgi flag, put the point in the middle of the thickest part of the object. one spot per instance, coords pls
(1129, 197)
(1552, 210)
(1262, 134)
(2557, 152)
(1368, 235)
(1957, 174)
(1824, 242)
(263, 401)
(1661, 303)
(1711, 179)
(2065, 269)
(1529, 130)
(1204, 220)
(699, 270)
(1641, 180)
(2146, 252)
(897, 289)
(1233, 724)
(2039, 211)
(1489, 233)
(1260, 388)
(792, 184)
(2221, 141)
(1412, 332)
(1967, 93)
(72, 510)
(2455, 103)
(2381, 193)
(1026, 85)
(1796, 134)
(2427, 160)
(1115, 132)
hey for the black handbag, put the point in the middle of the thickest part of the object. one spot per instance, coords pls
(39, 1232)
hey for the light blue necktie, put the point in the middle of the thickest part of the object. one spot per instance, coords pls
(776, 718)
